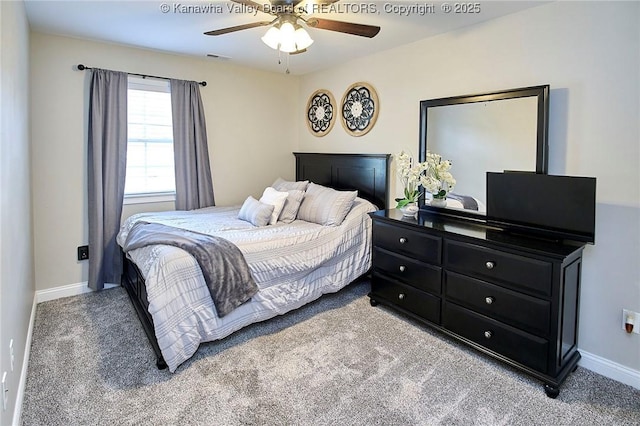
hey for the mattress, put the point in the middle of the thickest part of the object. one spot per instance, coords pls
(292, 264)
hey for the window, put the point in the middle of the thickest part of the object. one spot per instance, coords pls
(150, 168)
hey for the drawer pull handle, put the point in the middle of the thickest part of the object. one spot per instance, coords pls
(403, 240)
(488, 334)
(490, 265)
(489, 300)
(401, 296)
(402, 268)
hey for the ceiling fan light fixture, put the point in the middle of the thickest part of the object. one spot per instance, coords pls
(288, 37)
(287, 30)
(288, 46)
(302, 38)
(272, 37)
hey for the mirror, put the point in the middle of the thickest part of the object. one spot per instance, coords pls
(496, 131)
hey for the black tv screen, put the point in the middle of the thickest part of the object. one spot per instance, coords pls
(560, 207)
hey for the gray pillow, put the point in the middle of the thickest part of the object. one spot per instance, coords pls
(255, 212)
(326, 206)
(291, 206)
(286, 185)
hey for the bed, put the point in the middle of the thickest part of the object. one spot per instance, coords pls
(292, 263)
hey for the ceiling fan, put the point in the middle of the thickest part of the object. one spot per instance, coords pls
(286, 34)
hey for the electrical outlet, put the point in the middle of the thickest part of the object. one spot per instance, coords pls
(5, 391)
(83, 252)
(632, 317)
(11, 357)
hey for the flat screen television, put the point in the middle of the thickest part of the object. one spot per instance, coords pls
(554, 207)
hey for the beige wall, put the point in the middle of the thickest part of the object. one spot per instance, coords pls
(250, 127)
(16, 232)
(589, 54)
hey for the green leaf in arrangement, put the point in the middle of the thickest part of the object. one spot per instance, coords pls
(402, 202)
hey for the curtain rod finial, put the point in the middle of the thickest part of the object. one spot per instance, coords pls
(81, 67)
(203, 83)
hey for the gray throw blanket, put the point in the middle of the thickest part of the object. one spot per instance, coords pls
(224, 267)
(467, 201)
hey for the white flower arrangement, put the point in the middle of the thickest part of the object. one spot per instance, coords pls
(438, 180)
(411, 177)
(433, 174)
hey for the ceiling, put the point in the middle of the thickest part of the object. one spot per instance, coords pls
(142, 23)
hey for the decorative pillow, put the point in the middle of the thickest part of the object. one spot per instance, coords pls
(276, 199)
(286, 185)
(291, 206)
(325, 206)
(255, 212)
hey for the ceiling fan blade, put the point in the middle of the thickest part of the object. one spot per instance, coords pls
(238, 28)
(344, 27)
(297, 52)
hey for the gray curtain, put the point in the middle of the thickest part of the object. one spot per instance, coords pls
(107, 161)
(194, 188)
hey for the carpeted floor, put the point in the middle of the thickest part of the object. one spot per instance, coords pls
(337, 361)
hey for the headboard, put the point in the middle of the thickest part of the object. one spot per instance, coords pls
(366, 173)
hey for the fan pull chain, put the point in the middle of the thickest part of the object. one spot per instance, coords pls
(280, 61)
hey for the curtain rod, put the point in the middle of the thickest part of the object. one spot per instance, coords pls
(83, 67)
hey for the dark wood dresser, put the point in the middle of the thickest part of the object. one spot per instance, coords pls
(512, 297)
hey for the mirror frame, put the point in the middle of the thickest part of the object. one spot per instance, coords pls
(542, 127)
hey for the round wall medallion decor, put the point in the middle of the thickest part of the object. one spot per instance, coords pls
(321, 112)
(359, 108)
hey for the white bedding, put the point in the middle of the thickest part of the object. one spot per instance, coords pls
(292, 264)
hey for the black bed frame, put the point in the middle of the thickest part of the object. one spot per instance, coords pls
(366, 173)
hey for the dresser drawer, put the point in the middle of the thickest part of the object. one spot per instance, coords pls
(517, 309)
(518, 272)
(406, 297)
(418, 274)
(414, 244)
(521, 347)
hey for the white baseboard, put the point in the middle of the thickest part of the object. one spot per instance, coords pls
(65, 291)
(17, 411)
(610, 369)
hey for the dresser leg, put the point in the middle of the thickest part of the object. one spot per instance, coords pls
(551, 391)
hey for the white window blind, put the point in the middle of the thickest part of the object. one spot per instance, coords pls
(150, 167)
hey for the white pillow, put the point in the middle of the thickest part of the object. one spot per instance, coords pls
(255, 212)
(326, 206)
(276, 199)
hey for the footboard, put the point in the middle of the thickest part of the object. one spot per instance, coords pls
(133, 282)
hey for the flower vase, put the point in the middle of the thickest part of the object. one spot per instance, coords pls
(438, 202)
(410, 209)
